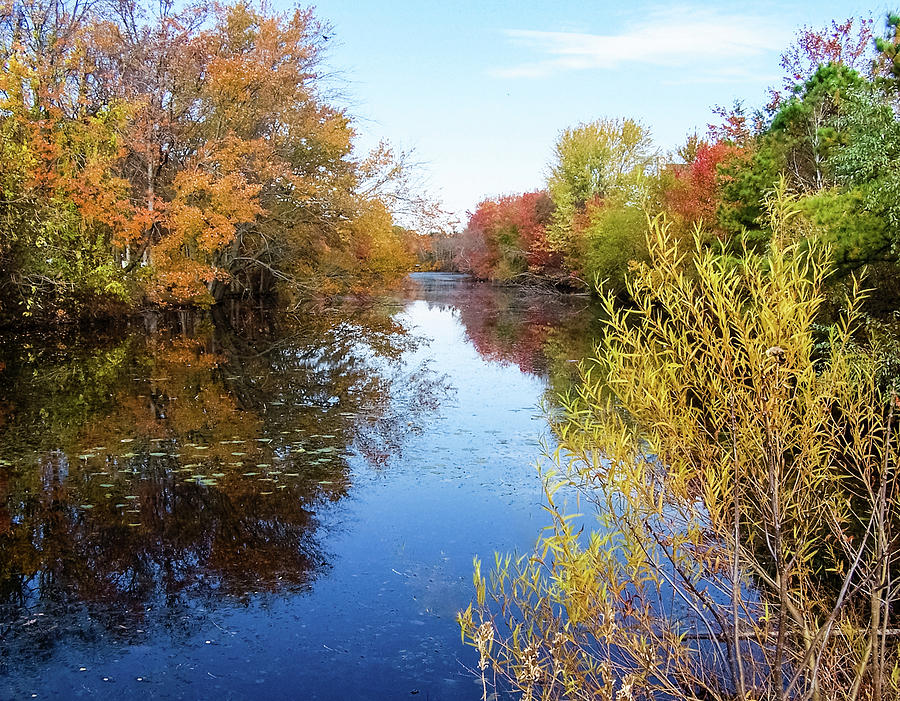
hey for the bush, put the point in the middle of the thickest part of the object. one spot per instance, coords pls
(614, 239)
(743, 470)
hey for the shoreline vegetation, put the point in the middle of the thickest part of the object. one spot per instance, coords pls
(731, 443)
(830, 130)
(733, 431)
(177, 155)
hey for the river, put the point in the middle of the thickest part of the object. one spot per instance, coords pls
(262, 507)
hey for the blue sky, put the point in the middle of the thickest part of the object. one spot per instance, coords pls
(480, 90)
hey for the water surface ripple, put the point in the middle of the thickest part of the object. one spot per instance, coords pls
(259, 507)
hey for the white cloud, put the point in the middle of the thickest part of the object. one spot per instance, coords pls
(690, 38)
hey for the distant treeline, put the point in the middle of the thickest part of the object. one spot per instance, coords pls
(830, 131)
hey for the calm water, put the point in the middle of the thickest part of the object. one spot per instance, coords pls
(271, 508)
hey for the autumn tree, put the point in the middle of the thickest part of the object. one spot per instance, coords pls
(694, 194)
(63, 203)
(850, 43)
(148, 58)
(599, 167)
(181, 153)
(600, 159)
(506, 237)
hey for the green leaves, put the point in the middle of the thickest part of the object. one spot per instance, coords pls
(607, 158)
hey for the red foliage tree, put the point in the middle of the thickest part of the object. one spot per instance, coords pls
(508, 234)
(694, 196)
(849, 43)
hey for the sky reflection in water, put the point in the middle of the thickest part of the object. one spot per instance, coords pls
(288, 509)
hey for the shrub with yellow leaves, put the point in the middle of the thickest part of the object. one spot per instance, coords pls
(743, 470)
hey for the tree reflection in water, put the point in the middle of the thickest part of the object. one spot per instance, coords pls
(542, 333)
(155, 471)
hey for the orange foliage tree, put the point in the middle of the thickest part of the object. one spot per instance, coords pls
(178, 154)
(63, 203)
(693, 195)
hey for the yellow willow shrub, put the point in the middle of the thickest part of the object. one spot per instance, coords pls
(742, 462)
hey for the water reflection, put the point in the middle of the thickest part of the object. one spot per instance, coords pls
(305, 494)
(184, 459)
(543, 334)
